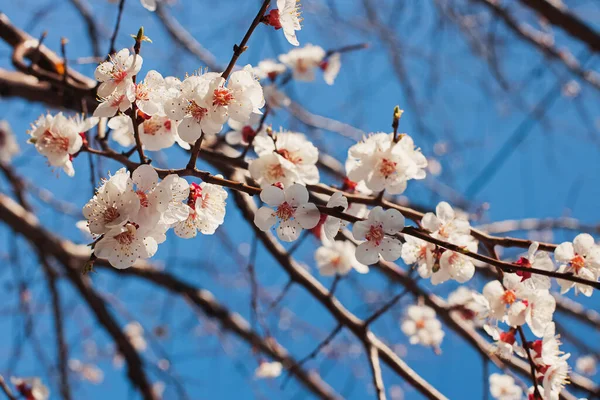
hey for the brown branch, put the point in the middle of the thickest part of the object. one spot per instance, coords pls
(239, 49)
(87, 14)
(27, 225)
(331, 303)
(567, 60)
(373, 358)
(567, 21)
(61, 344)
(6, 390)
(73, 257)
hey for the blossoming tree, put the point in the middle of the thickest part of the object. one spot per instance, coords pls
(176, 159)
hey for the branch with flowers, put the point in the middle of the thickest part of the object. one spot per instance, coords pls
(132, 210)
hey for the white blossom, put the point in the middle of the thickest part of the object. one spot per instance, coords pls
(206, 210)
(503, 387)
(303, 61)
(289, 207)
(337, 258)
(422, 326)
(586, 365)
(116, 74)
(268, 68)
(58, 138)
(8, 143)
(237, 98)
(268, 370)
(384, 164)
(288, 157)
(186, 104)
(581, 258)
(286, 17)
(378, 230)
(31, 388)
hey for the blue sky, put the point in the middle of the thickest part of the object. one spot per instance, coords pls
(553, 172)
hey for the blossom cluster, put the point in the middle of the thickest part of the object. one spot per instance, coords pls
(130, 213)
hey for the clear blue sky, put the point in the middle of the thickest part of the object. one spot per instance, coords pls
(552, 173)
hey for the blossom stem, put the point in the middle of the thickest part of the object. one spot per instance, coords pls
(536, 391)
(194, 152)
(239, 49)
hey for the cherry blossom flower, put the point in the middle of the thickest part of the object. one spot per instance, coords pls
(337, 258)
(158, 132)
(187, 106)
(149, 94)
(286, 17)
(268, 69)
(117, 72)
(57, 138)
(154, 198)
(538, 260)
(290, 208)
(88, 372)
(123, 245)
(8, 143)
(303, 61)
(445, 224)
(535, 308)
(206, 210)
(149, 5)
(115, 102)
(272, 168)
(505, 343)
(546, 351)
(122, 130)
(383, 164)
(243, 133)
(31, 388)
(268, 370)
(135, 334)
(586, 365)
(556, 377)
(237, 98)
(114, 203)
(294, 148)
(468, 303)
(419, 252)
(422, 326)
(332, 225)
(503, 387)
(581, 258)
(331, 67)
(176, 210)
(377, 231)
(454, 265)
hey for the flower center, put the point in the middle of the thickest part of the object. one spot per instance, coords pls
(54, 142)
(509, 297)
(578, 262)
(196, 111)
(301, 65)
(117, 100)
(111, 214)
(127, 237)
(142, 92)
(222, 97)
(275, 171)
(420, 324)
(336, 261)
(151, 127)
(285, 211)
(387, 167)
(119, 75)
(288, 155)
(143, 198)
(375, 234)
